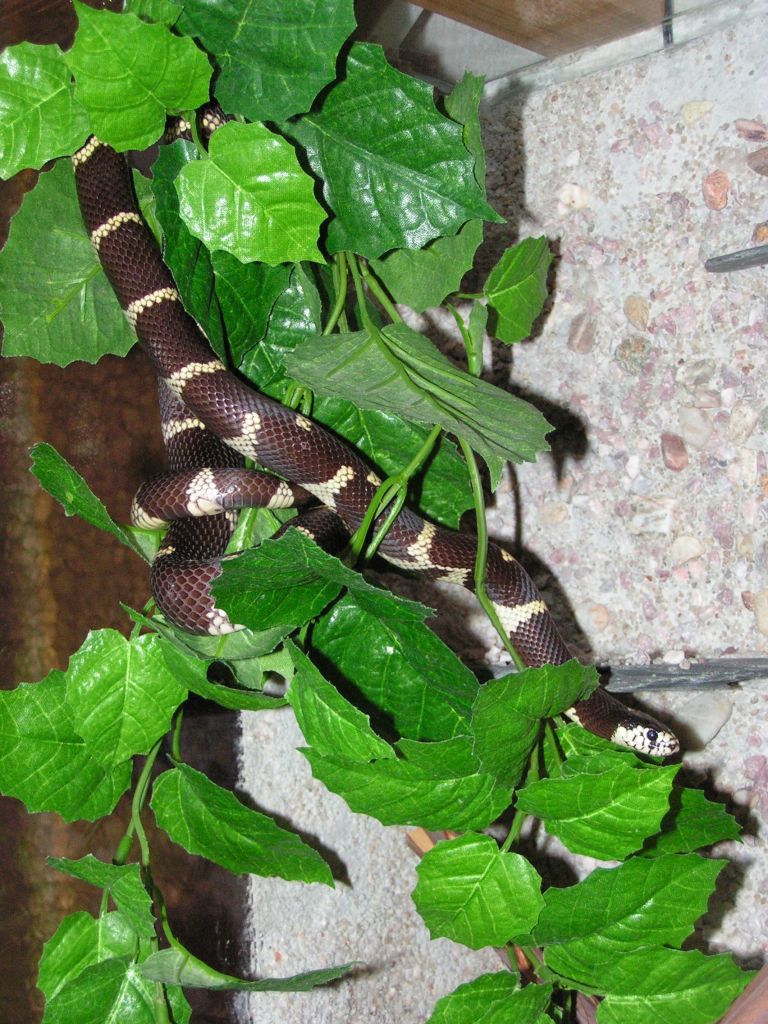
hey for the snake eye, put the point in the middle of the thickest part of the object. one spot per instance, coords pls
(652, 735)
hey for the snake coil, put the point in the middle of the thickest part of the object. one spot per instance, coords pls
(211, 420)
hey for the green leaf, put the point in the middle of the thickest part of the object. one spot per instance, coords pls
(247, 293)
(251, 197)
(693, 821)
(642, 902)
(62, 481)
(666, 985)
(399, 793)
(603, 807)
(172, 967)
(422, 278)
(407, 671)
(493, 999)
(80, 941)
(471, 892)
(284, 583)
(396, 173)
(122, 694)
(45, 763)
(211, 822)
(402, 372)
(129, 74)
(111, 990)
(517, 288)
(164, 12)
(55, 301)
(39, 116)
(462, 104)
(329, 723)
(122, 882)
(274, 57)
(296, 314)
(187, 257)
(191, 672)
(506, 718)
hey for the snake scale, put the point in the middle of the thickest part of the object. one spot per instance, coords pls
(211, 419)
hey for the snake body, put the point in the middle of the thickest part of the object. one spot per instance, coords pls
(211, 419)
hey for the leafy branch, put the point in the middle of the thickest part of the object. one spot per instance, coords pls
(340, 194)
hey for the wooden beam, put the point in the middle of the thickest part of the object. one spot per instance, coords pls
(553, 27)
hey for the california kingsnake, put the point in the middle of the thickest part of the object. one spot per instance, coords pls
(209, 416)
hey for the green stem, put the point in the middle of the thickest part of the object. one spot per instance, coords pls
(176, 735)
(375, 287)
(362, 303)
(481, 554)
(394, 488)
(137, 803)
(474, 352)
(340, 283)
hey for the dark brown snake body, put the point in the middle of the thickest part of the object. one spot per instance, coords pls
(211, 419)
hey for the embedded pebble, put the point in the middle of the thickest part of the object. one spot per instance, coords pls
(695, 110)
(695, 426)
(742, 422)
(636, 310)
(572, 197)
(752, 131)
(581, 334)
(632, 354)
(553, 513)
(652, 515)
(674, 452)
(595, 617)
(696, 373)
(702, 717)
(758, 605)
(685, 548)
(714, 188)
(758, 161)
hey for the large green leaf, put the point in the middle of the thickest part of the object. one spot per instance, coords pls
(422, 278)
(55, 301)
(639, 903)
(122, 694)
(65, 484)
(517, 288)
(39, 115)
(130, 73)
(274, 57)
(211, 822)
(45, 763)
(110, 990)
(602, 807)
(400, 371)
(397, 792)
(80, 941)
(123, 883)
(693, 821)
(247, 293)
(506, 718)
(471, 892)
(251, 197)
(396, 172)
(407, 671)
(329, 723)
(669, 985)
(172, 967)
(493, 999)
